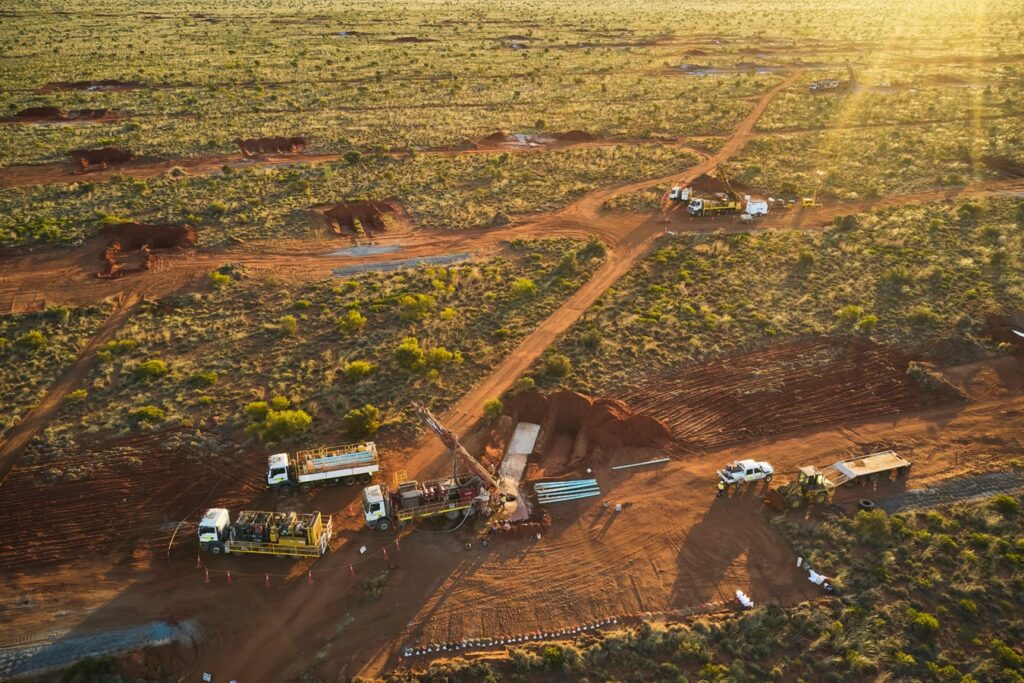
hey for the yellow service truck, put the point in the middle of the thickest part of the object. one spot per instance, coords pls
(290, 534)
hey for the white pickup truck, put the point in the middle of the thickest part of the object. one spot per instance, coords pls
(740, 472)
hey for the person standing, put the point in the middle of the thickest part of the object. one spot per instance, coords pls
(721, 489)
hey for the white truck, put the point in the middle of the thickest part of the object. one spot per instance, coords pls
(756, 207)
(679, 194)
(740, 472)
(346, 464)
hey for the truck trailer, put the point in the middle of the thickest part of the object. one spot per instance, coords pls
(346, 464)
(818, 486)
(288, 534)
(461, 496)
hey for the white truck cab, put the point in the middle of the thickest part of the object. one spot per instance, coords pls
(374, 507)
(739, 472)
(679, 194)
(695, 206)
(277, 470)
(213, 529)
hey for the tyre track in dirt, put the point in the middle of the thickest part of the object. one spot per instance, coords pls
(21, 434)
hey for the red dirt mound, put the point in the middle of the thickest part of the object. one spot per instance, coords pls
(586, 428)
(141, 238)
(273, 145)
(412, 39)
(497, 138)
(40, 113)
(1008, 168)
(1003, 328)
(371, 216)
(102, 157)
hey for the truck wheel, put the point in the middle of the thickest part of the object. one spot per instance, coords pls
(350, 480)
(453, 515)
(306, 488)
(365, 478)
(768, 478)
(216, 548)
(285, 490)
(383, 524)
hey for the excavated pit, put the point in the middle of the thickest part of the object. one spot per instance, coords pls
(371, 217)
(102, 158)
(131, 245)
(579, 432)
(1003, 330)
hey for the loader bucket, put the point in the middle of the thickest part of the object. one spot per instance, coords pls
(775, 500)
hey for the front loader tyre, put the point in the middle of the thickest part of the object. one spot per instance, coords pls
(383, 524)
(820, 497)
(795, 501)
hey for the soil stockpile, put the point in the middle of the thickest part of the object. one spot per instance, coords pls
(272, 145)
(591, 429)
(371, 216)
(102, 157)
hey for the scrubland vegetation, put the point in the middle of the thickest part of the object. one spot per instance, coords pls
(342, 356)
(924, 277)
(34, 349)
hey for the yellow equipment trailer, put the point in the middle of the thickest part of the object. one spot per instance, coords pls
(289, 534)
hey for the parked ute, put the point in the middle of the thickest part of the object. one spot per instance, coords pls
(741, 471)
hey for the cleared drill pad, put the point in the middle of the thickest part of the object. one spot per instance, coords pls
(519, 449)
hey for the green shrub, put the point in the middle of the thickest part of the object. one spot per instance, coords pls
(1006, 505)
(439, 356)
(219, 280)
(867, 324)
(557, 365)
(358, 369)
(923, 316)
(554, 657)
(872, 527)
(119, 347)
(361, 423)
(523, 384)
(594, 248)
(203, 379)
(287, 325)
(280, 403)
(848, 315)
(147, 414)
(91, 670)
(33, 340)
(301, 304)
(524, 288)
(352, 157)
(282, 424)
(415, 307)
(352, 321)
(409, 354)
(925, 626)
(492, 409)
(77, 396)
(150, 369)
(257, 410)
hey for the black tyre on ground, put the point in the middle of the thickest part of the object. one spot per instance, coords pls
(865, 504)
(383, 524)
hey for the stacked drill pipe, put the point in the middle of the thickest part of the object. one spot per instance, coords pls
(562, 491)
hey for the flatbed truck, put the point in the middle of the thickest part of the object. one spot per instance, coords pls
(346, 464)
(819, 486)
(459, 496)
(285, 534)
